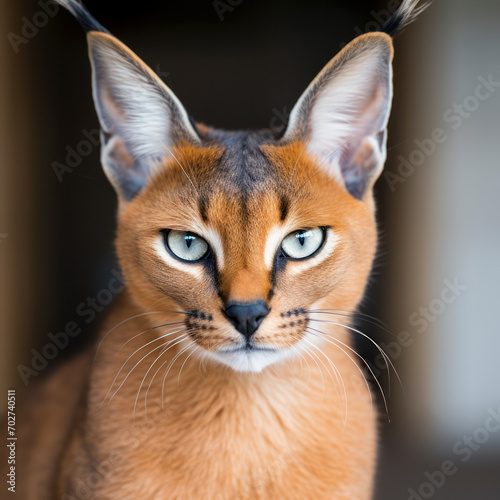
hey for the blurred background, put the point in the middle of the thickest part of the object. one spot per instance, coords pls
(243, 64)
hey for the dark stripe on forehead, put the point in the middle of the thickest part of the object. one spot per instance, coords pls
(284, 207)
(245, 212)
(244, 168)
(203, 208)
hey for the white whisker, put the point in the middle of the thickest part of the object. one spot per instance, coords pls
(177, 340)
(148, 330)
(166, 347)
(131, 318)
(355, 315)
(182, 168)
(168, 370)
(128, 359)
(320, 372)
(387, 360)
(330, 340)
(180, 371)
(334, 384)
(309, 368)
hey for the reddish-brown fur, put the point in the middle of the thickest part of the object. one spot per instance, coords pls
(154, 409)
(175, 399)
(275, 434)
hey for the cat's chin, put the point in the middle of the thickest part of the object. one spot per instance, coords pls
(249, 361)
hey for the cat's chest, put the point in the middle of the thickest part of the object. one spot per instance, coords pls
(236, 444)
(218, 439)
(224, 461)
(214, 460)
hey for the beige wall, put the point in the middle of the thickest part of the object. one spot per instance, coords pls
(445, 221)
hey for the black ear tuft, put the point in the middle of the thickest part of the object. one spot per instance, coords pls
(407, 12)
(82, 15)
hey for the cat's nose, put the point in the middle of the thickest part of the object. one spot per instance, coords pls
(246, 317)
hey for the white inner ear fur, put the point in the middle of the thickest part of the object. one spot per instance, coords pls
(348, 107)
(131, 101)
(140, 116)
(347, 102)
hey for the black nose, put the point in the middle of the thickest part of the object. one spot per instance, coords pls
(246, 316)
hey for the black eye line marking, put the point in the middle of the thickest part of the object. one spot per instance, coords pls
(282, 254)
(281, 260)
(208, 254)
(209, 262)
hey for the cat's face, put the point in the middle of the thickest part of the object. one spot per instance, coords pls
(242, 232)
(245, 225)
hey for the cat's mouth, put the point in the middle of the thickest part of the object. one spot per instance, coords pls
(249, 358)
(247, 351)
(247, 348)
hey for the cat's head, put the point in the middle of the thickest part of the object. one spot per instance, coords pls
(244, 231)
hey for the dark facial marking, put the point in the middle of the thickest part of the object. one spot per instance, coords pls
(243, 168)
(293, 312)
(199, 320)
(298, 318)
(203, 208)
(284, 207)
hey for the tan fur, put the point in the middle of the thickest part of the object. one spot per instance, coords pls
(152, 410)
(149, 411)
(286, 433)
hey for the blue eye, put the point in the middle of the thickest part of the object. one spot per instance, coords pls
(186, 245)
(303, 243)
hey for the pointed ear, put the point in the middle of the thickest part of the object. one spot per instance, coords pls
(342, 116)
(140, 117)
